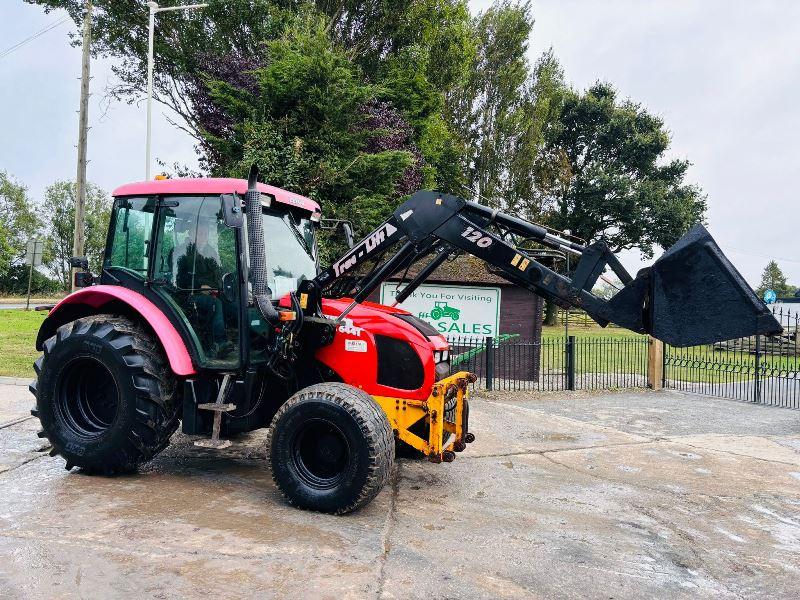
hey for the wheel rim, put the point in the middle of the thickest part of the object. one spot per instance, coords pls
(320, 454)
(87, 398)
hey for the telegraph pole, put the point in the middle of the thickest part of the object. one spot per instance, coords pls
(83, 119)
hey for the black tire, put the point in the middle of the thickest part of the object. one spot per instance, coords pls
(330, 448)
(105, 395)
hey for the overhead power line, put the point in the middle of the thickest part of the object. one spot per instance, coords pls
(751, 253)
(41, 32)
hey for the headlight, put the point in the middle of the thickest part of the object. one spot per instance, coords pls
(442, 370)
(437, 356)
(445, 354)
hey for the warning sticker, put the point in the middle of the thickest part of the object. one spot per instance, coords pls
(355, 345)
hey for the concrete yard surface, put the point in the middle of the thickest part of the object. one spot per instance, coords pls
(607, 495)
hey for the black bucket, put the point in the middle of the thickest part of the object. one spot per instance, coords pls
(693, 295)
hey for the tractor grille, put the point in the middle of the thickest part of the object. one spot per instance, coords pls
(398, 364)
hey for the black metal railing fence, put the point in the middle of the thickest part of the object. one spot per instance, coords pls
(508, 362)
(763, 369)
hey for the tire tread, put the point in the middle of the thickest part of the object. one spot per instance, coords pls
(152, 379)
(371, 420)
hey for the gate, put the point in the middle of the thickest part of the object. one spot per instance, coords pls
(763, 369)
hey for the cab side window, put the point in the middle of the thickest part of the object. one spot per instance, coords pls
(131, 230)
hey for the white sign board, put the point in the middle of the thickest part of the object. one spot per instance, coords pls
(33, 252)
(452, 309)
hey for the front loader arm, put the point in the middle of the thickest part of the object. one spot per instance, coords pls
(691, 295)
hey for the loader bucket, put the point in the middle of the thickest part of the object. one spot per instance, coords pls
(696, 296)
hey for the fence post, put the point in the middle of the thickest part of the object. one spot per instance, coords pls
(571, 362)
(489, 363)
(655, 363)
(757, 386)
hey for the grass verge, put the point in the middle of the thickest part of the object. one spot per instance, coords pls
(18, 330)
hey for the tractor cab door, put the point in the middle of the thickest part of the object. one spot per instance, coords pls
(196, 272)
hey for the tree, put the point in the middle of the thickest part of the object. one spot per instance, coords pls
(602, 172)
(488, 108)
(303, 112)
(18, 222)
(544, 96)
(15, 282)
(413, 50)
(59, 227)
(772, 278)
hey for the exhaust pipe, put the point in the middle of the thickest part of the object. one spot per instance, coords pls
(257, 249)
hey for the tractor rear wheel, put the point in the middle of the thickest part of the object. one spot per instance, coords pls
(330, 448)
(104, 395)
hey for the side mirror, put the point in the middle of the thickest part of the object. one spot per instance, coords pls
(229, 287)
(232, 210)
(83, 279)
(79, 262)
(347, 230)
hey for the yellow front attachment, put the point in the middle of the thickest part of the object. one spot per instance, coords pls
(437, 418)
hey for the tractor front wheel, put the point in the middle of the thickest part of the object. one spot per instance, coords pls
(331, 448)
(104, 395)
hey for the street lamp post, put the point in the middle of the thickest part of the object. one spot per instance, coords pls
(154, 8)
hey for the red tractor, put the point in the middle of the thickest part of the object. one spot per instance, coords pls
(212, 311)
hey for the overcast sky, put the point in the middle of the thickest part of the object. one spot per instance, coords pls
(724, 75)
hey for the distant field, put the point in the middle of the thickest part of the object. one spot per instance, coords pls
(17, 336)
(591, 331)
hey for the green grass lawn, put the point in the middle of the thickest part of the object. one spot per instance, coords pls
(18, 330)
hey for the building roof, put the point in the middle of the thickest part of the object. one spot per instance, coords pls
(212, 185)
(465, 269)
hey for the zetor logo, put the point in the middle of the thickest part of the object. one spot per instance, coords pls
(364, 248)
(347, 327)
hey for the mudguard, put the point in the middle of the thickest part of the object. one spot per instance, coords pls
(98, 299)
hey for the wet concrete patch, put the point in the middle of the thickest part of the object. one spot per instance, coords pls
(503, 428)
(19, 443)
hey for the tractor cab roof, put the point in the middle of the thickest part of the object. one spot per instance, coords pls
(213, 185)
